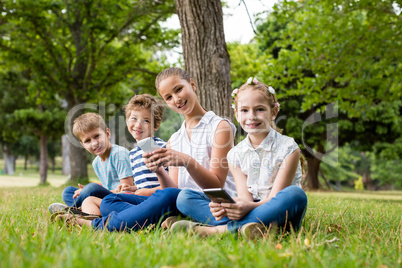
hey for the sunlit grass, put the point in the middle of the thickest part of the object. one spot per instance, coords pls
(339, 230)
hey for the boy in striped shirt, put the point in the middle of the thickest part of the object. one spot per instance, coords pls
(143, 117)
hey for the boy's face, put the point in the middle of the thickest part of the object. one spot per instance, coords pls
(96, 141)
(140, 124)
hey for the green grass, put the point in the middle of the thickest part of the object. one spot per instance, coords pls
(368, 229)
(32, 171)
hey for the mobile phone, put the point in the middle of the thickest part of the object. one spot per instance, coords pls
(148, 144)
(218, 195)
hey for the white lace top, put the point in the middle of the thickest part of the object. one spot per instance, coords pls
(261, 165)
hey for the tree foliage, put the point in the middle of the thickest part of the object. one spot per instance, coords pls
(85, 51)
(336, 70)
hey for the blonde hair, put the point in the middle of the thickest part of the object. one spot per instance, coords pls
(145, 101)
(172, 71)
(87, 122)
(263, 89)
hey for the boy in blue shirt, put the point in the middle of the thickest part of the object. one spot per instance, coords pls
(111, 165)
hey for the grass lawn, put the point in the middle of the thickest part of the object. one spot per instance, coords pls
(339, 230)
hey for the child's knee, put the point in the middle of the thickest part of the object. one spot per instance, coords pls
(184, 198)
(91, 200)
(299, 195)
(91, 187)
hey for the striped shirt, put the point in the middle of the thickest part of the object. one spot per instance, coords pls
(143, 177)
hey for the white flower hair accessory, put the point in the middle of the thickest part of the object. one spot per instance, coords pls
(252, 81)
(234, 92)
(271, 90)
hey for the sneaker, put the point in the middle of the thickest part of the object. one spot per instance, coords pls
(253, 230)
(57, 207)
(184, 226)
(167, 224)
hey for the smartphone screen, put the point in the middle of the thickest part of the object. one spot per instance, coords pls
(218, 195)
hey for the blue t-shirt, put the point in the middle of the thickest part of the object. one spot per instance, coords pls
(143, 177)
(114, 168)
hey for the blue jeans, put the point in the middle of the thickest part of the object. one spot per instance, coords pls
(91, 189)
(129, 212)
(288, 206)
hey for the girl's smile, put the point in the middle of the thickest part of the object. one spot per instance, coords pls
(178, 94)
(253, 113)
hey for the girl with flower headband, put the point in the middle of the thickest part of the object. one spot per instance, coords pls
(266, 168)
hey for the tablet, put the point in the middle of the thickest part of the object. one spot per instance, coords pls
(218, 195)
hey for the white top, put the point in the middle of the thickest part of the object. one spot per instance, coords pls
(199, 148)
(261, 165)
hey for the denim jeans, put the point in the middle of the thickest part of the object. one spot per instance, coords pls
(91, 189)
(128, 212)
(288, 206)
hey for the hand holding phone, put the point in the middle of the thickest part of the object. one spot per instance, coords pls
(218, 195)
(148, 145)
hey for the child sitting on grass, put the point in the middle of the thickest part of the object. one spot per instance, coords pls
(266, 169)
(143, 117)
(111, 165)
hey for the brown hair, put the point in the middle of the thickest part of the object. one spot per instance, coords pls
(146, 101)
(263, 89)
(88, 122)
(172, 71)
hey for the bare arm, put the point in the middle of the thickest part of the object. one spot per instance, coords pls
(147, 191)
(126, 182)
(215, 176)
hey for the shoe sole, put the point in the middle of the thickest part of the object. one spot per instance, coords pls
(253, 230)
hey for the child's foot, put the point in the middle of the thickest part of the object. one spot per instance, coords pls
(57, 207)
(167, 224)
(253, 230)
(184, 226)
(198, 228)
(73, 220)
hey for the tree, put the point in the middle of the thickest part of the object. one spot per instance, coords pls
(45, 123)
(205, 53)
(82, 51)
(13, 91)
(323, 53)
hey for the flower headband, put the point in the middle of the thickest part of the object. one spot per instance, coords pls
(253, 81)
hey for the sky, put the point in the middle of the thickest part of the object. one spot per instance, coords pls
(236, 22)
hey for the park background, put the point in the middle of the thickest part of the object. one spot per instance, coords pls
(335, 66)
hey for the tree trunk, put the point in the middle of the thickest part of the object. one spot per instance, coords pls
(43, 159)
(8, 160)
(25, 162)
(78, 160)
(53, 161)
(205, 54)
(313, 166)
(65, 151)
(78, 156)
(15, 163)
